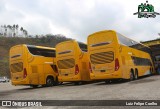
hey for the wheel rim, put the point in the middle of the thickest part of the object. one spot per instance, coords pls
(49, 82)
(150, 72)
(136, 76)
(131, 76)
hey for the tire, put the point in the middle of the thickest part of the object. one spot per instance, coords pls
(49, 81)
(107, 81)
(77, 83)
(60, 83)
(151, 72)
(34, 86)
(136, 75)
(55, 82)
(131, 76)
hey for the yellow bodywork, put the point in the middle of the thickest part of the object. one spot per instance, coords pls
(104, 49)
(68, 56)
(38, 68)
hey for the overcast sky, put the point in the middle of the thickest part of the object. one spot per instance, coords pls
(79, 18)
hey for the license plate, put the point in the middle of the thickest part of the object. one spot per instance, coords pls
(103, 70)
(66, 74)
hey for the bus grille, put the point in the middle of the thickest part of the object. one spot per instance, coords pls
(102, 58)
(66, 63)
(17, 67)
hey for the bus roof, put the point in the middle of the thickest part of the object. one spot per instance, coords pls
(34, 46)
(115, 32)
(101, 32)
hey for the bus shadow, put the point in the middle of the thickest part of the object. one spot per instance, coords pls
(143, 79)
(112, 82)
(21, 90)
(39, 87)
(85, 83)
(30, 88)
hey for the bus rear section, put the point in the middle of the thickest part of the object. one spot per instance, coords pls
(104, 58)
(72, 62)
(114, 56)
(33, 65)
(18, 65)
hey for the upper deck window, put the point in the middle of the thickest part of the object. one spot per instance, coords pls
(83, 46)
(133, 44)
(41, 51)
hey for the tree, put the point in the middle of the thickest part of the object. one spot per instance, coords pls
(2, 30)
(13, 29)
(5, 29)
(21, 29)
(17, 26)
(9, 27)
(25, 33)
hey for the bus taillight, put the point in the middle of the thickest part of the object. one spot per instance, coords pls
(76, 69)
(116, 64)
(24, 73)
(90, 68)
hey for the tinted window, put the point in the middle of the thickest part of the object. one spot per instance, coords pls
(83, 46)
(141, 61)
(126, 41)
(41, 52)
(133, 44)
(157, 57)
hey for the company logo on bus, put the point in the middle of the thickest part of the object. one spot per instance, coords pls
(146, 10)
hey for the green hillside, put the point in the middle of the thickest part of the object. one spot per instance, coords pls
(7, 42)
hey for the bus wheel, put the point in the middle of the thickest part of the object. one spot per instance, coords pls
(55, 83)
(136, 74)
(49, 81)
(77, 83)
(107, 81)
(131, 76)
(34, 86)
(151, 71)
(60, 83)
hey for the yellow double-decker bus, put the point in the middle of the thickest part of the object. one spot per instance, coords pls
(33, 65)
(72, 62)
(114, 56)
